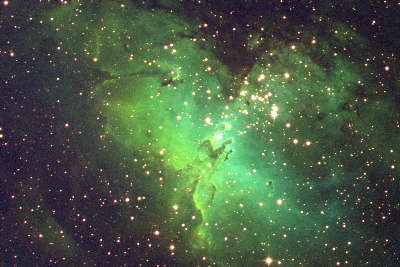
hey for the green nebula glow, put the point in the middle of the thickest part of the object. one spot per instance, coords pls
(234, 176)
